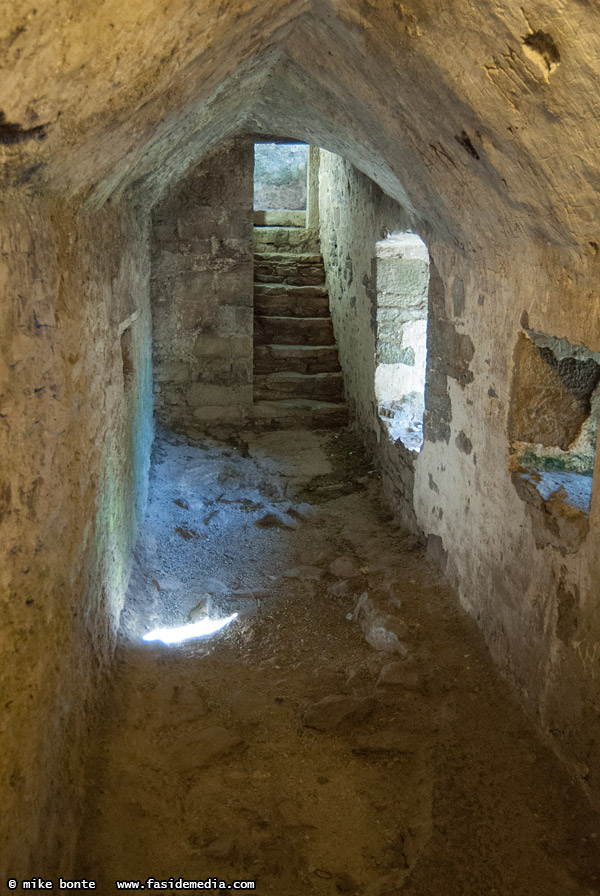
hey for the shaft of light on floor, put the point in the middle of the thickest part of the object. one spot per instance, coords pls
(181, 633)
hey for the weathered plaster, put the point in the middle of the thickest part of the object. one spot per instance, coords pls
(74, 448)
(505, 577)
(483, 533)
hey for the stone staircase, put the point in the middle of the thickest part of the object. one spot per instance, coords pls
(297, 376)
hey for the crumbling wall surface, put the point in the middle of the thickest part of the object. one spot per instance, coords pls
(202, 294)
(535, 599)
(75, 428)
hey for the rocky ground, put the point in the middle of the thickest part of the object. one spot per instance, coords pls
(346, 733)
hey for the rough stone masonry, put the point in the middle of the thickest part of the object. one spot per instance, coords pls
(480, 120)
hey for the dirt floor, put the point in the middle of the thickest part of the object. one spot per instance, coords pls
(346, 733)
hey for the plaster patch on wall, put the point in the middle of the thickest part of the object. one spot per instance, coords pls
(449, 354)
(458, 297)
(539, 46)
(463, 443)
(11, 133)
(567, 602)
(464, 140)
(436, 552)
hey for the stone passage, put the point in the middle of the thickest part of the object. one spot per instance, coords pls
(297, 376)
(347, 734)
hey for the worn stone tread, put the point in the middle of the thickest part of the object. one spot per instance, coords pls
(290, 384)
(296, 358)
(302, 257)
(283, 330)
(289, 268)
(297, 376)
(291, 301)
(289, 289)
(300, 412)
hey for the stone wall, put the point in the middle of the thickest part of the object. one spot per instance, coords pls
(514, 583)
(202, 294)
(528, 576)
(75, 431)
(355, 214)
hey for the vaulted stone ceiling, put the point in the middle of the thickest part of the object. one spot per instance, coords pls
(482, 118)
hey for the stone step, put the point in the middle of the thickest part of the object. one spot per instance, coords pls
(292, 330)
(296, 358)
(286, 384)
(299, 414)
(287, 240)
(278, 299)
(283, 255)
(290, 268)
